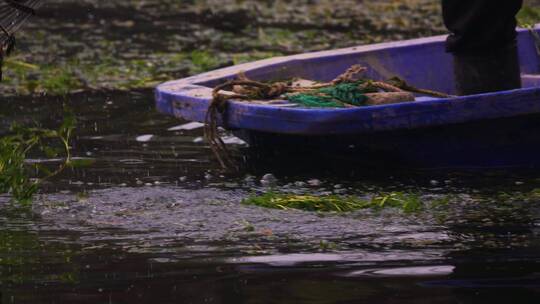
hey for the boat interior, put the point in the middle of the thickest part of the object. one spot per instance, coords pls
(421, 62)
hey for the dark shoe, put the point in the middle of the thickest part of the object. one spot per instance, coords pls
(490, 72)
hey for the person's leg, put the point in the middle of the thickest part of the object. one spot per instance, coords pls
(483, 42)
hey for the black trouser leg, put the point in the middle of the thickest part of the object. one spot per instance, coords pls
(483, 42)
(490, 72)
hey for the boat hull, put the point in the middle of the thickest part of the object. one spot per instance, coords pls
(499, 129)
(494, 143)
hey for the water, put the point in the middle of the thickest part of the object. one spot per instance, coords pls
(152, 219)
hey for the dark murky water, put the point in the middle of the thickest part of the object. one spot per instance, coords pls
(152, 219)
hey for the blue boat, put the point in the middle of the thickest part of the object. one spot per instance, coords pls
(493, 130)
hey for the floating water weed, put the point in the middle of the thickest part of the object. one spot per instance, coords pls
(203, 61)
(306, 202)
(335, 203)
(405, 201)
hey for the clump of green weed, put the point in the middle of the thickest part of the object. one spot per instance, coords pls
(203, 61)
(335, 203)
(15, 170)
(59, 81)
(306, 202)
(408, 202)
(13, 175)
(528, 16)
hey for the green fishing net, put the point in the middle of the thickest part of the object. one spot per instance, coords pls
(337, 96)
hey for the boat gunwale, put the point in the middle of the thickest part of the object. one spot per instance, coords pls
(245, 115)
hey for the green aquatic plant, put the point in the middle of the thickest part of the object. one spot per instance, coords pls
(110, 73)
(16, 171)
(325, 245)
(203, 61)
(335, 203)
(59, 81)
(511, 197)
(306, 202)
(406, 201)
(528, 16)
(87, 58)
(13, 172)
(21, 250)
(28, 78)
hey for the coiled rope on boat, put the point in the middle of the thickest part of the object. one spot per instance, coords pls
(349, 89)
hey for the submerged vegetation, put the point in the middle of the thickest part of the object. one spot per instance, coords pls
(408, 202)
(15, 150)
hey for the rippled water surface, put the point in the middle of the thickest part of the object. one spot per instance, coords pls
(152, 219)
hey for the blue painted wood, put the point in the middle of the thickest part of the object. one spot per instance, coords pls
(421, 62)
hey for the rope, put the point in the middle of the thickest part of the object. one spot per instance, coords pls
(346, 90)
(401, 84)
(536, 39)
(218, 105)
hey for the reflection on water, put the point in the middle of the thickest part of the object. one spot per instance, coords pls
(151, 219)
(405, 271)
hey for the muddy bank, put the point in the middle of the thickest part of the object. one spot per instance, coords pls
(93, 45)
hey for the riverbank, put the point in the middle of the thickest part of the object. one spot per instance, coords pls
(93, 45)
